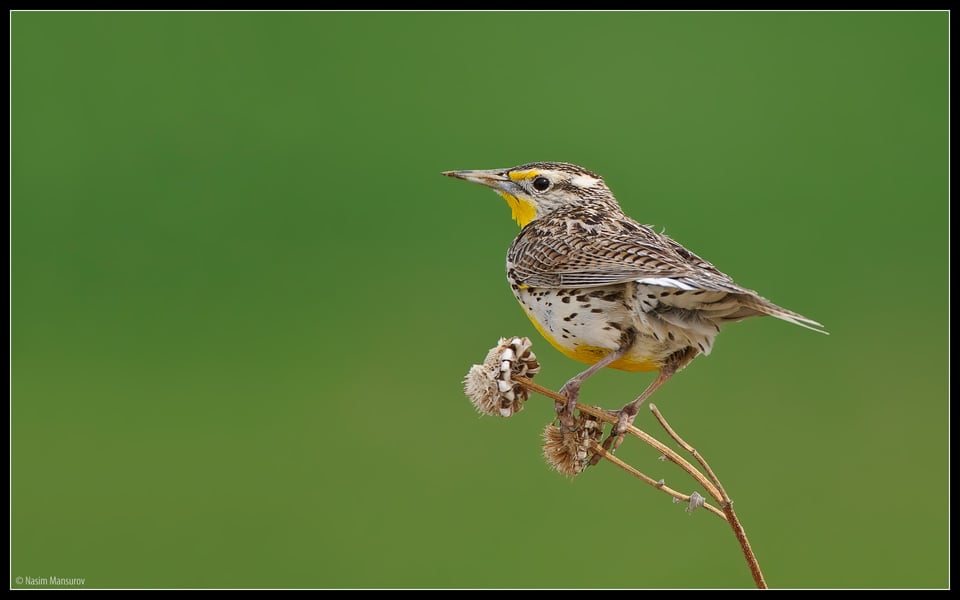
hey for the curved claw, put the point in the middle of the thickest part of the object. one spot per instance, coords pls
(625, 417)
(565, 412)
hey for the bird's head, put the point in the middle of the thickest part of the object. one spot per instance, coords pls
(535, 190)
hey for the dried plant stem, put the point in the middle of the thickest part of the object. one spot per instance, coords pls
(725, 502)
(710, 482)
(647, 479)
(606, 417)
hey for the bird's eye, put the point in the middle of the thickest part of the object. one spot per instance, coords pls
(541, 184)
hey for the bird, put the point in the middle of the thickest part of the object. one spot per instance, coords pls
(607, 291)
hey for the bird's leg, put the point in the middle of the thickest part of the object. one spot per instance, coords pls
(628, 413)
(571, 389)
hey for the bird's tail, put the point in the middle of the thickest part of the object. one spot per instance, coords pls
(755, 305)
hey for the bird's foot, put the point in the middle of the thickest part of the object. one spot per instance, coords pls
(571, 390)
(625, 417)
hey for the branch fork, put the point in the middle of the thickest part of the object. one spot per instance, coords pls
(502, 384)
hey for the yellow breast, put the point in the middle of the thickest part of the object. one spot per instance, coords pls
(590, 354)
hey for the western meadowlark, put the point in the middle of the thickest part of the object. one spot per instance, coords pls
(606, 290)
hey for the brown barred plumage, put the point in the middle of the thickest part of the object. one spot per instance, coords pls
(606, 290)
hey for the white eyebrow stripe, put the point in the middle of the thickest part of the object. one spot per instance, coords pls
(584, 181)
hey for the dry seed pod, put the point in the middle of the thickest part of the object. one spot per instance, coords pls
(491, 387)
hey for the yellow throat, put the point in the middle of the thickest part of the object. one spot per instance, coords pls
(522, 211)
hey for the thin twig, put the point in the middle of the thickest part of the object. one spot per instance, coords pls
(693, 451)
(602, 415)
(725, 502)
(710, 482)
(646, 479)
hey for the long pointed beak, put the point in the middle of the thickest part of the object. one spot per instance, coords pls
(492, 178)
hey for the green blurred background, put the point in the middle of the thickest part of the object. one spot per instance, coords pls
(244, 299)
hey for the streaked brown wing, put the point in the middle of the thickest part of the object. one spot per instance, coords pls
(546, 255)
